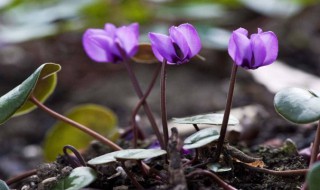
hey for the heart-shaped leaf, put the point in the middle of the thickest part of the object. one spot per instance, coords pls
(3, 185)
(145, 54)
(139, 154)
(298, 105)
(201, 138)
(104, 159)
(313, 177)
(209, 119)
(41, 84)
(97, 118)
(78, 178)
(128, 154)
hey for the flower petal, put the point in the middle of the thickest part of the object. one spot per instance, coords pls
(192, 37)
(164, 45)
(95, 46)
(259, 51)
(157, 54)
(271, 44)
(179, 39)
(129, 38)
(239, 47)
(110, 30)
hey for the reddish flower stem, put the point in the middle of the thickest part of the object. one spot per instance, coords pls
(130, 175)
(77, 125)
(315, 146)
(163, 103)
(80, 159)
(138, 90)
(141, 102)
(214, 177)
(226, 114)
(278, 173)
(21, 177)
(196, 127)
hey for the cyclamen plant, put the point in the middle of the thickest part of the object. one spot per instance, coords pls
(259, 50)
(118, 45)
(179, 47)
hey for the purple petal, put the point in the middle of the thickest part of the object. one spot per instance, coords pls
(164, 46)
(179, 39)
(242, 31)
(239, 47)
(94, 45)
(259, 51)
(112, 53)
(110, 30)
(191, 36)
(159, 57)
(271, 44)
(129, 38)
(157, 54)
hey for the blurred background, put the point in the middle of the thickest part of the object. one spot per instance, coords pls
(38, 31)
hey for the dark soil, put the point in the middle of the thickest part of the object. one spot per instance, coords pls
(241, 176)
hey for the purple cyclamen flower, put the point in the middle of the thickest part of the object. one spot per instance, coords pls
(179, 47)
(101, 45)
(260, 50)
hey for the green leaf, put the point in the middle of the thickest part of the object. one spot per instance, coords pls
(145, 54)
(97, 118)
(139, 154)
(313, 177)
(201, 138)
(3, 185)
(298, 105)
(41, 84)
(129, 154)
(104, 159)
(79, 178)
(209, 119)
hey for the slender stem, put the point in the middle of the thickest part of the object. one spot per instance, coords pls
(278, 173)
(77, 125)
(76, 153)
(163, 103)
(130, 130)
(21, 177)
(196, 127)
(130, 175)
(315, 146)
(226, 112)
(213, 176)
(141, 102)
(144, 172)
(138, 90)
